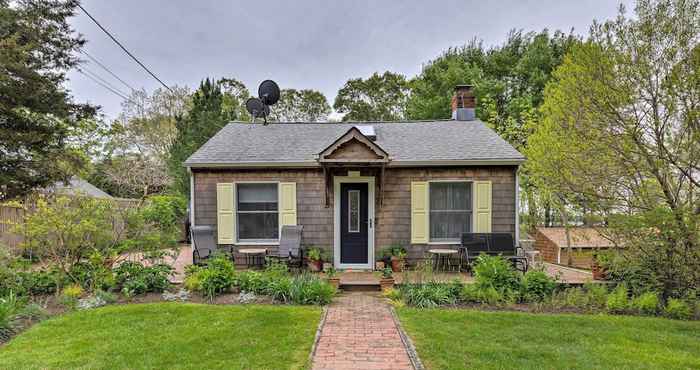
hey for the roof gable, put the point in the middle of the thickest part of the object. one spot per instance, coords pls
(353, 146)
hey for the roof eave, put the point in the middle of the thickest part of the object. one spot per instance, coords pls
(395, 163)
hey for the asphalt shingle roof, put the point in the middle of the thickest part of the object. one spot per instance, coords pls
(407, 141)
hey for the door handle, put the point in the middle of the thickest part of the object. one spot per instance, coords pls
(370, 223)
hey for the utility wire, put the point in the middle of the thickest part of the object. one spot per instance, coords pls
(124, 48)
(107, 69)
(97, 76)
(102, 84)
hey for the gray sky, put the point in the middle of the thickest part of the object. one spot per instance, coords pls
(299, 44)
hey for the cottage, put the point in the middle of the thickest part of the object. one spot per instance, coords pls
(357, 187)
(585, 242)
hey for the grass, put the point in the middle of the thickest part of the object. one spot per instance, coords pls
(168, 335)
(459, 339)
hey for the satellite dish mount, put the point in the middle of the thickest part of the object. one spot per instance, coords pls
(268, 94)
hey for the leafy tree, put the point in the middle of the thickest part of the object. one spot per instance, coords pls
(509, 82)
(214, 104)
(301, 106)
(620, 134)
(377, 98)
(40, 124)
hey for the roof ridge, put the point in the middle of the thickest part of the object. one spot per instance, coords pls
(352, 122)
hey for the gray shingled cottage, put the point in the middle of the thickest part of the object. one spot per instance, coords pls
(357, 187)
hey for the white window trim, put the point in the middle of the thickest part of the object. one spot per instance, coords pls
(256, 242)
(461, 180)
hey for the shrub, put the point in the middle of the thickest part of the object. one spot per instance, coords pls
(251, 281)
(9, 308)
(537, 285)
(618, 301)
(134, 278)
(70, 296)
(596, 295)
(93, 274)
(429, 294)
(646, 304)
(106, 296)
(217, 277)
(496, 272)
(678, 309)
(310, 289)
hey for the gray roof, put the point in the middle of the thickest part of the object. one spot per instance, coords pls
(407, 142)
(78, 186)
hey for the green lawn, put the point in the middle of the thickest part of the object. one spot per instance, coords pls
(168, 335)
(459, 339)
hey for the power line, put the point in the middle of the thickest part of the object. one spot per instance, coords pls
(104, 81)
(123, 48)
(106, 69)
(102, 84)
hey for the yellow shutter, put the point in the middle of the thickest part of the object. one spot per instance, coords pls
(225, 213)
(482, 206)
(288, 203)
(419, 212)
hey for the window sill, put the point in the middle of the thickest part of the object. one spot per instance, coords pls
(445, 243)
(244, 244)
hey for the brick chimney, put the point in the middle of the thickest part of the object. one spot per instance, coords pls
(463, 103)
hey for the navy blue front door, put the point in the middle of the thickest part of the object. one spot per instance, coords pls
(354, 225)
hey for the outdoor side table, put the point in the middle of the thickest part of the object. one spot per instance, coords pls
(441, 258)
(254, 257)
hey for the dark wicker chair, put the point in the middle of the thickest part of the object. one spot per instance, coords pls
(203, 244)
(290, 251)
(473, 244)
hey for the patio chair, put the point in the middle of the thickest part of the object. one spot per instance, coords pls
(290, 251)
(203, 244)
(473, 244)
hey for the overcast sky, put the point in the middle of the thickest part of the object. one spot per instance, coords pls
(299, 44)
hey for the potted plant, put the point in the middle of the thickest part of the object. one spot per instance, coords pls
(598, 263)
(314, 259)
(332, 277)
(398, 255)
(387, 280)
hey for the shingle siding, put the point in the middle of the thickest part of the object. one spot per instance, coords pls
(393, 218)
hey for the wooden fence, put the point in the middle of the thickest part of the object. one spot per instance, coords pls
(12, 216)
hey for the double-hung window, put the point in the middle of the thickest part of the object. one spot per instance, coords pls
(450, 210)
(257, 212)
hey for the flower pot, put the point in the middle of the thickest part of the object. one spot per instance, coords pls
(379, 265)
(386, 283)
(598, 272)
(396, 265)
(314, 266)
(334, 281)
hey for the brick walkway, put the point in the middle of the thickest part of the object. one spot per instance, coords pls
(359, 333)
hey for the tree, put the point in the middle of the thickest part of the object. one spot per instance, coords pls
(40, 124)
(214, 104)
(620, 134)
(378, 98)
(301, 106)
(509, 82)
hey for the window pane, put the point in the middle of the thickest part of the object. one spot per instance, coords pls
(450, 210)
(450, 196)
(257, 226)
(449, 225)
(257, 197)
(354, 210)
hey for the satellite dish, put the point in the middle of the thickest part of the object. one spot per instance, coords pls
(256, 108)
(269, 92)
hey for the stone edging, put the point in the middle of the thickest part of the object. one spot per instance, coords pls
(318, 334)
(407, 343)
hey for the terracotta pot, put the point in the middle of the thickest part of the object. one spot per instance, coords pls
(396, 265)
(334, 281)
(379, 265)
(598, 272)
(386, 283)
(314, 266)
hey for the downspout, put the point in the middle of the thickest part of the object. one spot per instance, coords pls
(189, 170)
(517, 207)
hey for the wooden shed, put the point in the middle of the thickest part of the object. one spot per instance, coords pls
(585, 241)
